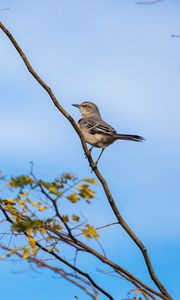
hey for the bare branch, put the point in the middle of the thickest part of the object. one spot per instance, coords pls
(175, 35)
(148, 2)
(143, 291)
(92, 164)
(77, 270)
(94, 284)
(101, 227)
(68, 276)
(124, 273)
(3, 9)
(81, 246)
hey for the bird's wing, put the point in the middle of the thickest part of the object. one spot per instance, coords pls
(97, 126)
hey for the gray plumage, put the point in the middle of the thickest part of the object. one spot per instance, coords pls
(97, 132)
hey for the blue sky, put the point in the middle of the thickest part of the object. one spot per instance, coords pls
(122, 57)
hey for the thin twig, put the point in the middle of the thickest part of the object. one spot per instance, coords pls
(77, 270)
(101, 227)
(64, 261)
(119, 269)
(148, 2)
(81, 246)
(3, 9)
(175, 35)
(61, 272)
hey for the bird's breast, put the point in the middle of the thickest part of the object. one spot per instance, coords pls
(97, 140)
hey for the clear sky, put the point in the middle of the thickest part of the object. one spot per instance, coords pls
(122, 57)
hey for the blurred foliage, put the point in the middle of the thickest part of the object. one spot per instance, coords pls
(33, 216)
(33, 209)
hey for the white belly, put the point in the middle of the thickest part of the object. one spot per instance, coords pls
(96, 140)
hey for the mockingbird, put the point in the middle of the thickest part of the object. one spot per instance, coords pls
(96, 132)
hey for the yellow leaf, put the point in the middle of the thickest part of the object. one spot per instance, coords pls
(75, 218)
(90, 232)
(21, 202)
(11, 209)
(12, 252)
(59, 227)
(73, 198)
(65, 219)
(54, 190)
(42, 208)
(86, 233)
(90, 180)
(80, 186)
(10, 200)
(43, 231)
(34, 251)
(85, 191)
(93, 231)
(35, 203)
(24, 194)
(26, 253)
(32, 242)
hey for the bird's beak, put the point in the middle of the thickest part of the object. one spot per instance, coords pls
(76, 105)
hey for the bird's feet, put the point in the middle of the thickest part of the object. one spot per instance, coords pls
(90, 150)
(94, 163)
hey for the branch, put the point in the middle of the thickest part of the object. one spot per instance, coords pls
(77, 270)
(81, 246)
(148, 2)
(3, 9)
(94, 284)
(143, 291)
(101, 227)
(68, 276)
(123, 272)
(175, 35)
(91, 162)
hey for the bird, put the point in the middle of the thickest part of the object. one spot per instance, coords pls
(96, 131)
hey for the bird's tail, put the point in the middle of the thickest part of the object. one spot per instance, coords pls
(129, 137)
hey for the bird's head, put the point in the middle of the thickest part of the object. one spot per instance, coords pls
(87, 108)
